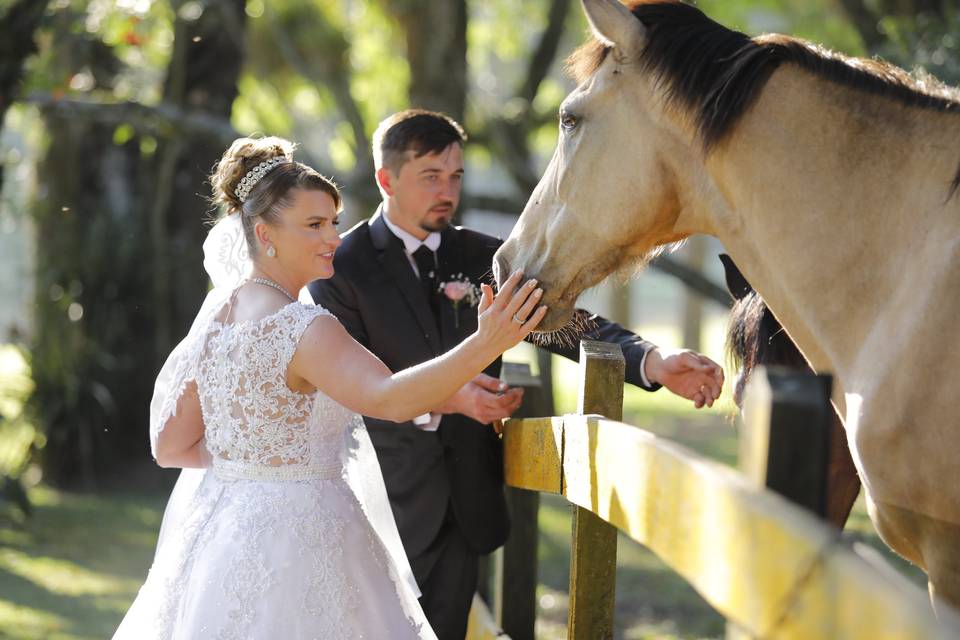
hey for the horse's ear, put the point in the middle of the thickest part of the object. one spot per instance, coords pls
(737, 284)
(614, 25)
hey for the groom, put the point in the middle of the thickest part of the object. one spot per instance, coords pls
(404, 288)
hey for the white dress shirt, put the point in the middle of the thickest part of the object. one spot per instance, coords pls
(427, 421)
(410, 242)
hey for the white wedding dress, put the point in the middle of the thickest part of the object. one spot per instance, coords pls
(287, 535)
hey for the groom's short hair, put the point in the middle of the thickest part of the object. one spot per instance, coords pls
(416, 130)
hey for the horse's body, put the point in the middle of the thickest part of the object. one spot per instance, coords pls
(832, 184)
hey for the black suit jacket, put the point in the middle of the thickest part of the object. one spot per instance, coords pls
(379, 300)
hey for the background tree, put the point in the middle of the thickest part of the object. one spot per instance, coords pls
(119, 226)
(18, 24)
(911, 33)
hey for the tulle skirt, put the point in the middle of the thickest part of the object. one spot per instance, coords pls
(264, 560)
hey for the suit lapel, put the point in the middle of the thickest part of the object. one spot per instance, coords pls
(454, 324)
(394, 261)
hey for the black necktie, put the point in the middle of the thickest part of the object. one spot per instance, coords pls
(427, 266)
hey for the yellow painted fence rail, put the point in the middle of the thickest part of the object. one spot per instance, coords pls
(773, 569)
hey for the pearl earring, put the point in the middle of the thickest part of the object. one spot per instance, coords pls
(271, 251)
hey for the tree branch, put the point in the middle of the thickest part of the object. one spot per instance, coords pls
(510, 133)
(546, 50)
(692, 279)
(336, 79)
(160, 120)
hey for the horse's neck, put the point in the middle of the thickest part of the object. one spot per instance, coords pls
(827, 197)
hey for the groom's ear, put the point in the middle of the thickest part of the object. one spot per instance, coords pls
(384, 180)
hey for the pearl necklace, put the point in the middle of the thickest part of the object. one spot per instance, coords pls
(271, 283)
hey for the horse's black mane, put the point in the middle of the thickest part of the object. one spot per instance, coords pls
(716, 73)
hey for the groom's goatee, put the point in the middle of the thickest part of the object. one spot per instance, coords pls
(439, 225)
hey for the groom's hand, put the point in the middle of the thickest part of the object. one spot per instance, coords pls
(485, 399)
(686, 373)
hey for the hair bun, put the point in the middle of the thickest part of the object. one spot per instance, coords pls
(242, 156)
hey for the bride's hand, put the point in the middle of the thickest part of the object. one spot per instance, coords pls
(507, 318)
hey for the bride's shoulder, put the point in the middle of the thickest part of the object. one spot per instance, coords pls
(311, 319)
(318, 334)
(307, 310)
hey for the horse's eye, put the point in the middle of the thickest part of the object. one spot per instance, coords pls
(568, 121)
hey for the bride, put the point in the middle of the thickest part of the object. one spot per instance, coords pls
(279, 526)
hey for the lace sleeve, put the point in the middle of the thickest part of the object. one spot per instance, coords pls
(301, 316)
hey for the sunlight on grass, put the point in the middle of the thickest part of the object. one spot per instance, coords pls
(27, 623)
(651, 600)
(61, 576)
(71, 570)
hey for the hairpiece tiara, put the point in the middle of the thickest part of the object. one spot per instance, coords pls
(255, 175)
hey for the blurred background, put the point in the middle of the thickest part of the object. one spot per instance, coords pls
(112, 112)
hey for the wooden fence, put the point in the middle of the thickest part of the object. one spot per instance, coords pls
(772, 568)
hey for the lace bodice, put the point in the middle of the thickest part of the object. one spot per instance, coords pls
(256, 426)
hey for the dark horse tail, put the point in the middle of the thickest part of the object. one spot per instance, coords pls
(754, 337)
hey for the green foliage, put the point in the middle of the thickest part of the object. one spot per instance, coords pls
(301, 53)
(96, 48)
(18, 437)
(925, 43)
(820, 21)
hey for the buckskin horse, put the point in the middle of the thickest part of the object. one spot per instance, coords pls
(832, 182)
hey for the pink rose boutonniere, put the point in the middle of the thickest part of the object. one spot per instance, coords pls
(459, 290)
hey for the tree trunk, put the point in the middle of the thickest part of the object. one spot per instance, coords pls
(18, 26)
(119, 229)
(436, 34)
(92, 384)
(202, 76)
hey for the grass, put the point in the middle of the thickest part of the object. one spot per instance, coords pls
(72, 570)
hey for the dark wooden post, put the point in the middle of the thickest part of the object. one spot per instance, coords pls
(785, 441)
(785, 444)
(593, 555)
(515, 599)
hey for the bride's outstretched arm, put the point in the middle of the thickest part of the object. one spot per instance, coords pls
(331, 360)
(180, 443)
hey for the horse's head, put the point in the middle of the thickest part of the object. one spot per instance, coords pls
(609, 195)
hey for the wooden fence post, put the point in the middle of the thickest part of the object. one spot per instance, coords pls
(515, 598)
(785, 442)
(593, 554)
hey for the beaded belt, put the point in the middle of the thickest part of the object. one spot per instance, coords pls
(240, 470)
